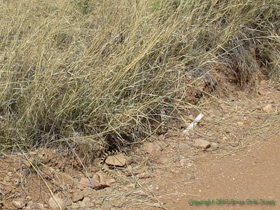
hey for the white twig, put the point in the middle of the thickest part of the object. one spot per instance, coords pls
(193, 124)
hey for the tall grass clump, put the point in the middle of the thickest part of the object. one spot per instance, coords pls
(99, 72)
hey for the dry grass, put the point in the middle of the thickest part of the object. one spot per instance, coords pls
(99, 71)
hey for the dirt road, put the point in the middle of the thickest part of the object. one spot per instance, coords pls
(248, 179)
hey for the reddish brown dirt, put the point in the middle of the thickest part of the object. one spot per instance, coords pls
(248, 175)
(168, 171)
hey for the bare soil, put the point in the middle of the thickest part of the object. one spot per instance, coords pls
(167, 171)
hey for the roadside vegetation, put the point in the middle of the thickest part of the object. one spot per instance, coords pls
(102, 73)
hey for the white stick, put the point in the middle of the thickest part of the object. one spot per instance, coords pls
(193, 124)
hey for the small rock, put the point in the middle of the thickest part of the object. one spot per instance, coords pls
(240, 124)
(189, 165)
(161, 137)
(86, 182)
(214, 146)
(129, 169)
(6, 179)
(187, 137)
(234, 144)
(29, 203)
(176, 158)
(19, 203)
(163, 160)
(105, 180)
(57, 203)
(98, 202)
(117, 160)
(184, 162)
(77, 196)
(89, 191)
(119, 202)
(150, 147)
(224, 107)
(262, 92)
(183, 146)
(38, 206)
(221, 141)
(159, 172)
(88, 201)
(268, 108)
(76, 205)
(125, 189)
(144, 176)
(191, 117)
(202, 143)
(263, 82)
(192, 177)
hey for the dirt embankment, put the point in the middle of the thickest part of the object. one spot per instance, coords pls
(240, 169)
